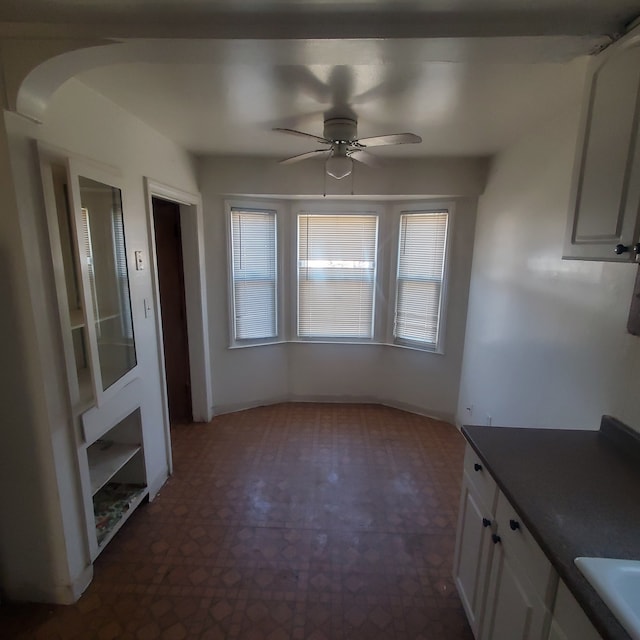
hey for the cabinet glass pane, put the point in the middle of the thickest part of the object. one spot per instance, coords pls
(103, 245)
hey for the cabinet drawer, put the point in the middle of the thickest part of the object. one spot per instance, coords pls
(484, 484)
(524, 551)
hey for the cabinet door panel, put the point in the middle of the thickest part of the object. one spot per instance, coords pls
(609, 141)
(524, 551)
(513, 611)
(605, 195)
(97, 200)
(473, 554)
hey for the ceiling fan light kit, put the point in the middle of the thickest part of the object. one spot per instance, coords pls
(341, 134)
(338, 166)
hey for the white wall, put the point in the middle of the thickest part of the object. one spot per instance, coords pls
(42, 541)
(546, 342)
(419, 381)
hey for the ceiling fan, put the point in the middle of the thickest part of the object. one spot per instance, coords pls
(341, 134)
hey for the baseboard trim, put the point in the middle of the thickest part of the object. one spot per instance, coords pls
(52, 593)
(421, 411)
(156, 484)
(80, 584)
(232, 407)
(326, 399)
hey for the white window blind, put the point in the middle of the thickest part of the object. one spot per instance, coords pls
(88, 256)
(120, 258)
(336, 275)
(254, 274)
(421, 259)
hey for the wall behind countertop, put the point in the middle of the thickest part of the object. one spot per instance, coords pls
(546, 342)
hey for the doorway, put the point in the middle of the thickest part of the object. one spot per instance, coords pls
(170, 270)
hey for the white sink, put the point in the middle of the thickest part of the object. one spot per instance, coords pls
(618, 584)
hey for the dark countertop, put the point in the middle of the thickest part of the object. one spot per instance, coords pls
(578, 492)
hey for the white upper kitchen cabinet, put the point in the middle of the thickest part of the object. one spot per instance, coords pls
(605, 198)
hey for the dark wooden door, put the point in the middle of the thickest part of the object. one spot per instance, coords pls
(166, 223)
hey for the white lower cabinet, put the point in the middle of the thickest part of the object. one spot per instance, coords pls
(474, 547)
(505, 581)
(474, 553)
(521, 583)
(569, 620)
(513, 611)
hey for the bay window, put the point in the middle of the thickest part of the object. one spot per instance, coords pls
(359, 272)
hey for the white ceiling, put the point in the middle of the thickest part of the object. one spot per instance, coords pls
(469, 76)
(457, 108)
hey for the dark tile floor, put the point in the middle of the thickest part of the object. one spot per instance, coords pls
(326, 522)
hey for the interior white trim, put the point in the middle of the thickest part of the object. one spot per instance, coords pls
(327, 399)
(257, 204)
(191, 223)
(425, 206)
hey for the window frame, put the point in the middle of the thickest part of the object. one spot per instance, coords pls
(260, 206)
(388, 213)
(420, 207)
(335, 208)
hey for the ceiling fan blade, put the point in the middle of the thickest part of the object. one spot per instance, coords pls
(367, 158)
(392, 138)
(304, 156)
(293, 132)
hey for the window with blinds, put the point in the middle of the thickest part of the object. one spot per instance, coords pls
(336, 275)
(421, 262)
(254, 274)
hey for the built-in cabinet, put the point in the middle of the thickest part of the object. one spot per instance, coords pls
(505, 581)
(521, 583)
(508, 587)
(569, 620)
(474, 546)
(117, 477)
(84, 206)
(604, 215)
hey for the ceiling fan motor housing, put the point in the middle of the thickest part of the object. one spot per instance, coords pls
(340, 129)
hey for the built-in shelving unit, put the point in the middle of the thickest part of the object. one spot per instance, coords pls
(87, 234)
(112, 506)
(106, 458)
(76, 319)
(117, 476)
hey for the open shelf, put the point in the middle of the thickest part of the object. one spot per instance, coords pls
(106, 458)
(76, 318)
(104, 318)
(112, 506)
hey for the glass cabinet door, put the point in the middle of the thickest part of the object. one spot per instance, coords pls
(84, 206)
(103, 250)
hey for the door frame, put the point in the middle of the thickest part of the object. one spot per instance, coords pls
(192, 231)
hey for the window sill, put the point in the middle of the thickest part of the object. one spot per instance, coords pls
(256, 344)
(409, 347)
